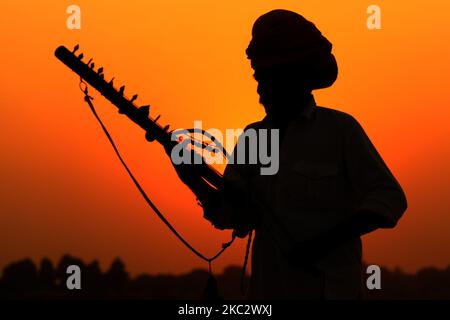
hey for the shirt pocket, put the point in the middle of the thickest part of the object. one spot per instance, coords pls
(313, 184)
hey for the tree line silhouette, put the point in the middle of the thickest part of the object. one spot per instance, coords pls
(25, 280)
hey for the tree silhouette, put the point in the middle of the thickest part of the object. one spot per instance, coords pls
(23, 280)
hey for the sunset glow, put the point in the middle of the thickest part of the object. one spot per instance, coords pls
(64, 191)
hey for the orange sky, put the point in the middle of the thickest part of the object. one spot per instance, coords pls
(63, 191)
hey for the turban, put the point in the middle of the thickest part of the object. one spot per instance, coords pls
(282, 37)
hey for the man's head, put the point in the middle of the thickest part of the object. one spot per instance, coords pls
(291, 58)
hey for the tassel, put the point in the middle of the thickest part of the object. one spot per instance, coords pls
(211, 291)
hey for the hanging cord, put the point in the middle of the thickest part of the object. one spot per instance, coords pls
(83, 87)
(244, 266)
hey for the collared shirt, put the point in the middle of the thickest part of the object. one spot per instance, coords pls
(328, 170)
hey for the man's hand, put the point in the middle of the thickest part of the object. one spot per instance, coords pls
(309, 252)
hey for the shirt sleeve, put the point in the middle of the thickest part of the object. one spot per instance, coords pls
(377, 189)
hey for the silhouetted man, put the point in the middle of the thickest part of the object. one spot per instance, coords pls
(332, 186)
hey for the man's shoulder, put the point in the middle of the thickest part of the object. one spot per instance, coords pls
(342, 117)
(255, 125)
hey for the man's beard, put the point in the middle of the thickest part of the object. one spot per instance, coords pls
(284, 106)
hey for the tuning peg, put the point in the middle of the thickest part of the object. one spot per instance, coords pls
(149, 136)
(166, 128)
(145, 110)
(76, 48)
(111, 81)
(81, 56)
(156, 119)
(100, 70)
(121, 90)
(89, 62)
(92, 65)
(134, 98)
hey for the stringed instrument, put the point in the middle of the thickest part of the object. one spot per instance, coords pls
(203, 178)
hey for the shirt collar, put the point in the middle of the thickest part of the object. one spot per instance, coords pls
(307, 111)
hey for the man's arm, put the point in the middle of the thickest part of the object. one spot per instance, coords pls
(381, 199)
(232, 207)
